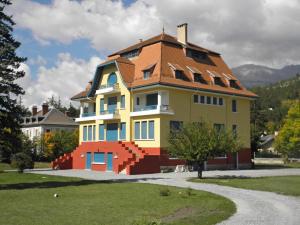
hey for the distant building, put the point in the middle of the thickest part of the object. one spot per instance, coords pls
(46, 120)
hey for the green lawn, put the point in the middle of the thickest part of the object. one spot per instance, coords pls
(277, 166)
(287, 185)
(28, 199)
(6, 166)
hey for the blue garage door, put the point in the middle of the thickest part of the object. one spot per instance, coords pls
(109, 161)
(88, 160)
(112, 132)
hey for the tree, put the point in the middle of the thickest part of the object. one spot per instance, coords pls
(10, 111)
(56, 103)
(198, 142)
(288, 140)
(57, 143)
(22, 161)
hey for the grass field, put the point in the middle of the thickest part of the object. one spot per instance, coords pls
(6, 166)
(28, 199)
(287, 185)
(277, 166)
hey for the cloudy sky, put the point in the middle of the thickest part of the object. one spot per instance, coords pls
(64, 40)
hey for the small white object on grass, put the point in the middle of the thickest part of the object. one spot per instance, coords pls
(55, 195)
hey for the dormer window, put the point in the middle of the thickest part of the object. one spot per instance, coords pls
(197, 55)
(197, 75)
(232, 81)
(216, 78)
(178, 72)
(130, 54)
(147, 72)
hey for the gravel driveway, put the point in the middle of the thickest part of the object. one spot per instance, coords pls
(253, 207)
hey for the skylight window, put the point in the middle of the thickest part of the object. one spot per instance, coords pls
(130, 54)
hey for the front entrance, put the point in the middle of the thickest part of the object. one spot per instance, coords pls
(112, 132)
(109, 162)
(88, 160)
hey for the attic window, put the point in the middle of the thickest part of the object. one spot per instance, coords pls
(147, 71)
(234, 84)
(197, 75)
(130, 54)
(178, 71)
(195, 54)
(216, 78)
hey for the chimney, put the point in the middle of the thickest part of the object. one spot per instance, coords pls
(34, 110)
(182, 33)
(45, 108)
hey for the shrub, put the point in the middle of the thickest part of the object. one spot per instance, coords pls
(165, 192)
(22, 161)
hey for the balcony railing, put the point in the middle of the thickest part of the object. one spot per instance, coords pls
(109, 111)
(114, 86)
(152, 107)
(88, 114)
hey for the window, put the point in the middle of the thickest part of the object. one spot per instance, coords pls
(196, 98)
(137, 101)
(122, 101)
(122, 131)
(99, 157)
(137, 130)
(94, 132)
(198, 78)
(151, 99)
(218, 81)
(208, 100)
(112, 79)
(147, 74)
(144, 129)
(233, 84)
(234, 130)
(234, 106)
(130, 54)
(215, 100)
(202, 99)
(179, 75)
(101, 132)
(221, 101)
(101, 105)
(219, 127)
(151, 129)
(90, 131)
(84, 133)
(175, 126)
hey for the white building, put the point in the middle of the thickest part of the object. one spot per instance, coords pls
(46, 120)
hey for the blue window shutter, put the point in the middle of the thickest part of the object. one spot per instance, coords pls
(90, 133)
(137, 130)
(84, 133)
(123, 131)
(144, 129)
(123, 101)
(151, 129)
(99, 157)
(101, 105)
(101, 132)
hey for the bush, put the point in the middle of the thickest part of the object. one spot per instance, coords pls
(22, 161)
(165, 192)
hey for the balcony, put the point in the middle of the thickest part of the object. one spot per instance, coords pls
(86, 116)
(110, 114)
(108, 89)
(152, 110)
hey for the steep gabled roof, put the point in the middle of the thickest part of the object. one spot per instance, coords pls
(168, 55)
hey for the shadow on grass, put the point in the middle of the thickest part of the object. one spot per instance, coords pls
(56, 184)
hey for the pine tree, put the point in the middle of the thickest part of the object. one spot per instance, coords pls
(10, 110)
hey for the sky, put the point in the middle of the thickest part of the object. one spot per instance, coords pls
(64, 40)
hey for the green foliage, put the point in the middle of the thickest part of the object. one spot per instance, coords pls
(56, 103)
(55, 144)
(288, 140)
(198, 142)
(10, 111)
(22, 161)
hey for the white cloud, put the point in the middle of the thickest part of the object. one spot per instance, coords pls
(257, 31)
(68, 77)
(39, 61)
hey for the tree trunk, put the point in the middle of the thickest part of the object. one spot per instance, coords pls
(200, 169)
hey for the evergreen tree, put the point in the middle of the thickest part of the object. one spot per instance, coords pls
(10, 111)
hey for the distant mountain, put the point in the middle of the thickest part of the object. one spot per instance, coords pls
(255, 75)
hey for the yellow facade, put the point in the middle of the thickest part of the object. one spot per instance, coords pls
(180, 103)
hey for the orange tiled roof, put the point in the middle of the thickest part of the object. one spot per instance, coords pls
(167, 54)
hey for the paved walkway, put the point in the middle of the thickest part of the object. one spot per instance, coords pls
(253, 207)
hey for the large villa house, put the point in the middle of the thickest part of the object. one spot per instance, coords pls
(139, 94)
